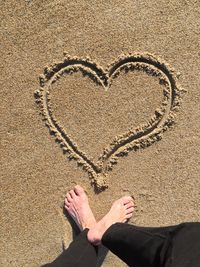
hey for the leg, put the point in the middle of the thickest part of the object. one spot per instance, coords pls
(186, 245)
(172, 246)
(138, 246)
(80, 252)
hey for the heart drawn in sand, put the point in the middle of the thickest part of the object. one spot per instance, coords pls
(139, 137)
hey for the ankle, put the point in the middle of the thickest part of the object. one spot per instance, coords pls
(93, 237)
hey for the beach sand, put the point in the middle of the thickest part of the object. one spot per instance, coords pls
(103, 94)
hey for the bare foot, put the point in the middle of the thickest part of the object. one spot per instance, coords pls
(121, 211)
(76, 203)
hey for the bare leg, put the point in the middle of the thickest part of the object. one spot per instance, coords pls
(121, 210)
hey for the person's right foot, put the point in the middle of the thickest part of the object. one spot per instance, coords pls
(120, 212)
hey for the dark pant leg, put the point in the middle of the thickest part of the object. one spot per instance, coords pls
(138, 246)
(185, 250)
(80, 253)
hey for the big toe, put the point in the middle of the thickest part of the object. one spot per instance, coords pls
(78, 190)
(126, 199)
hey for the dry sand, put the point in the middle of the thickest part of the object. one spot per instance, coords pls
(118, 120)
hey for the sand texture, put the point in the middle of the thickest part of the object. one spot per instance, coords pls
(100, 93)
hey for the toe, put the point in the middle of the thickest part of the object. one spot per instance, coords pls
(72, 194)
(130, 210)
(128, 216)
(126, 199)
(69, 198)
(67, 202)
(66, 207)
(129, 204)
(125, 220)
(78, 190)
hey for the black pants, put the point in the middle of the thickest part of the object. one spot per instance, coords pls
(173, 246)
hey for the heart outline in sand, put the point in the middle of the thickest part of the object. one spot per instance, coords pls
(140, 137)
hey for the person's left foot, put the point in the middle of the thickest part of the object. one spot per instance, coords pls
(120, 212)
(76, 203)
